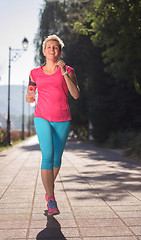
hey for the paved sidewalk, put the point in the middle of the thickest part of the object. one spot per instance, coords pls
(98, 193)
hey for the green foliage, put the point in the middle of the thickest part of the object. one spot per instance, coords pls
(135, 147)
(3, 135)
(121, 139)
(137, 85)
(116, 27)
(129, 140)
(15, 136)
(52, 18)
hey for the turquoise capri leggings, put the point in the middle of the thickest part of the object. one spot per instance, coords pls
(52, 138)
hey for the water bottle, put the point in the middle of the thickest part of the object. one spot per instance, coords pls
(31, 92)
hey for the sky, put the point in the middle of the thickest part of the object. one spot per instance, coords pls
(18, 19)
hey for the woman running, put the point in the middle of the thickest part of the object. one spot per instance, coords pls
(52, 114)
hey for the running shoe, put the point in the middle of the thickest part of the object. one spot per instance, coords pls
(52, 208)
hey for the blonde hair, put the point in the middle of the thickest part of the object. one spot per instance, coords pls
(53, 38)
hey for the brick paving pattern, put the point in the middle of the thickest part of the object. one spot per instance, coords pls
(98, 194)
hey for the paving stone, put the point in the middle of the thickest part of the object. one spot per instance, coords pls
(112, 238)
(93, 222)
(127, 208)
(14, 217)
(95, 201)
(14, 239)
(98, 193)
(13, 233)
(132, 221)
(124, 202)
(105, 231)
(93, 209)
(14, 211)
(136, 230)
(130, 214)
(25, 205)
(104, 215)
(14, 225)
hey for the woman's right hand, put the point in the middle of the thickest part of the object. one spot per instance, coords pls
(30, 96)
(30, 99)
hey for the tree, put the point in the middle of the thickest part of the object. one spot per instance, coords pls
(115, 26)
(52, 16)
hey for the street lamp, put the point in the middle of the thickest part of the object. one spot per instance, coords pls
(17, 54)
(25, 44)
(28, 120)
(22, 137)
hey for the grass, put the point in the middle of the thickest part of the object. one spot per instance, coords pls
(2, 147)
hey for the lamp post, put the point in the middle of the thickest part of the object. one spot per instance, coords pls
(28, 120)
(22, 137)
(17, 54)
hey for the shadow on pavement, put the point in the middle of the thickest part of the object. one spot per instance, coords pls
(52, 230)
(111, 175)
(34, 147)
(95, 153)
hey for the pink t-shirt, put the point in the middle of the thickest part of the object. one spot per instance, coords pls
(52, 103)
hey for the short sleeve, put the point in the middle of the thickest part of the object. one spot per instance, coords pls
(33, 75)
(32, 83)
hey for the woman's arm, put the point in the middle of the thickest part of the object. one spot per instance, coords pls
(71, 80)
(72, 84)
(30, 96)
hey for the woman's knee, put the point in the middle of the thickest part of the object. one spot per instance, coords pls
(47, 164)
(57, 163)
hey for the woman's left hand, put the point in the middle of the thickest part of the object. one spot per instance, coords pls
(62, 64)
(70, 79)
